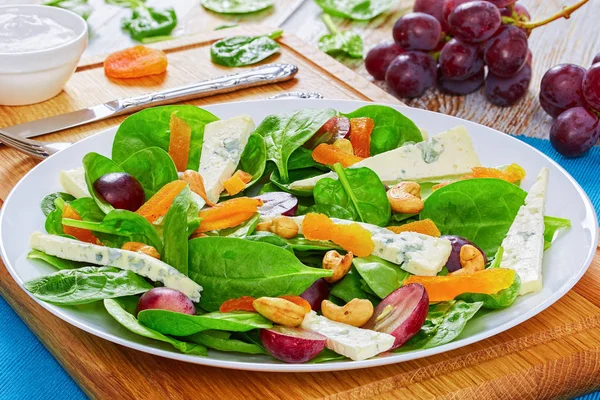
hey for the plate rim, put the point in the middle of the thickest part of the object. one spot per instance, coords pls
(387, 358)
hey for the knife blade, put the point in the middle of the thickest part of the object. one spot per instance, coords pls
(263, 75)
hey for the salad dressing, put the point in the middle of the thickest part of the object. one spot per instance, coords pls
(20, 33)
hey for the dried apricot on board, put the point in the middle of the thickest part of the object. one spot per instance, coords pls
(299, 301)
(85, 235)
(426, 227)
(237, 182)
(243, 303)
(360, 135)
(179, 142)
(228, 214)
(446, 288)
(196, 184)
(159, 204)
(351, 237)
(135, 62)
(329, 154)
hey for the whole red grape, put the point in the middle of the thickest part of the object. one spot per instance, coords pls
(431, 7)
(461, 87)
(574, 132)
(501, 3)
(506, 52)
(596, 59)
(503, 91)
(447, 7)
(475, 21)
(379, 58)
(562, 86)
(411, 73)
(459, 59)
(591, 87)
(120, 190)
(550, 108)
(519, 9)
(162, 298)
(417, 31)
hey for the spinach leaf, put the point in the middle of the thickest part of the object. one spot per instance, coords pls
(56, 262)
(96, 166)
(360, 10)
(445, 321)
(336, 43)
(86, 285)
(284, 133)
(381, 276)
(240, 231)
(392, 129)
(130, 226)
(175, 232)
(79, 7)
(48, 204)
(87, 209)
(359, 191)
(350, 288)
(299, 243)
(552, 229)
(221, 341)
(132, 324)
(302, 158)
(236, 6)
(150, 127)
(145, 21)
(331, 210)
(497, 258)
(502, 299)
(293, 176)
(179, 324)
(230, 267)
(53, 224)
(239, 51)
(326, 355)
(270, 238)
(254, 158)
(152, 167)
(481, 210)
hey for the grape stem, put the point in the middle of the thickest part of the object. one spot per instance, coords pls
(564, 13)
(329, 24)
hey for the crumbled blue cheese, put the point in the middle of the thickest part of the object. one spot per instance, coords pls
(73, 182)
(141, 264)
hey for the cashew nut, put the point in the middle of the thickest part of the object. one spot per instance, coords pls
(344, 145)
(471, 260)
(356, 313)
(338, 263)
(280, 311)
(285, 227)
(141, 248)
(264, 226)
(405, 198)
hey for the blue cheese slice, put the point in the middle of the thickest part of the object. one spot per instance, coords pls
(444, 156)
(224, 143)
(524, 243)
(73, 182)
(141, 264)
(354, 343)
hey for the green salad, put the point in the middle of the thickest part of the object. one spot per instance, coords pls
(314, 236)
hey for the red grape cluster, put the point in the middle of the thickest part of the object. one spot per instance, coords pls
(449, 43)
(571, 95)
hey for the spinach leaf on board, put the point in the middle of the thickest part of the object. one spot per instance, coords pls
(553, 227)
(361, 10)
(239, 51)
(295, 175)
(151, 127)
(350, 288)
(502, 299)
(331, 210)
(481, 210)
(359, 191)
(392, 129)
(236, 6)
(381, 276)
(48, 204)
(175, 232)
(79, 7)
(56, 262)
(221, 341)
(326, 355)
(231, 267)
(86, 285)
(240, 231)
(445, 321)
(336, 43)
(284, 133)
(179, 324)
(152, 167)
(146, 21)
(131, 323)
(96, 166)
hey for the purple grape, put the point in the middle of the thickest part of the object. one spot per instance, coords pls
(417, 31)
(501, 3)
(591, 87)
(316, 293)
(475, 22)
(574, 132)
(162, 298)
(431, 7)
(550, 108)
(411, 73)
(562, 86)
(596, 59)
(506, 52)
(277, 203)
(519, 9)
(379, 58)
(120, 190)
(447, 7)
(453, 264)
(505, 92)
(459, 60)
(461, 87)
(335, 128)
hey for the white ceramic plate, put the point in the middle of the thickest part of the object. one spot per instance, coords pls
(564, 263)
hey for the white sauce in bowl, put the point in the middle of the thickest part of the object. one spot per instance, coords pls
(20, 33)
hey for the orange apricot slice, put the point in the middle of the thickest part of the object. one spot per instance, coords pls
(159, 204)
(360, 135)
(85, 235)
(228, 214)
(237, 182)
(135, 62)
(351, 237)
(329, 154)
(196, 183)
(179, 142)
(243, 303)
(512, 173)
(426, 227)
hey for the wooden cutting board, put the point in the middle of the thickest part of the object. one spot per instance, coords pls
(554, 354)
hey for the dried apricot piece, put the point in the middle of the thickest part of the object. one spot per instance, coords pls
(351, 237)
(446, 288)
(135, 62)
(426, 227)
(85, 235)
(143, 248)
(237, 182)
(196, 185)
(243, 303)
(159, 204)
(299, 301)
(329, 154)
(512, 173)
(360, 135)
(228, 214)
(225, 222)
(179, 142)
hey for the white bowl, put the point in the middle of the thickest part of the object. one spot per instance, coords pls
(35, 76)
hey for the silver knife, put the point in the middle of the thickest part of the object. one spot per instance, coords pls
(263, 75)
